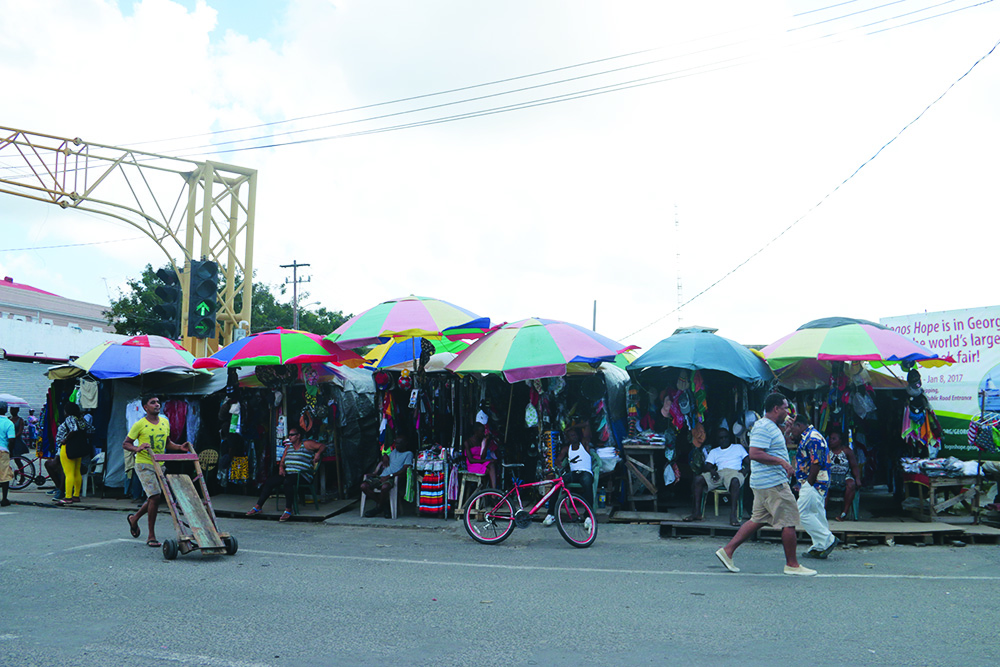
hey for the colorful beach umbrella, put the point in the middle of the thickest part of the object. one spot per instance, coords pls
(400, 354)
(324, 373)
(279, 347)
(13, 401)
(696, 350)
(843, 339)
(134, 357)
(409, 317)
(536, 348)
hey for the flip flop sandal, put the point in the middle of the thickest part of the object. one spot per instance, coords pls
(153, 543)
(132, 528)
(286, 515)
(254, 511)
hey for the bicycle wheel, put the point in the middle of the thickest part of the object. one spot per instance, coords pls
(489, 517)
(24, 472)
(576, 522)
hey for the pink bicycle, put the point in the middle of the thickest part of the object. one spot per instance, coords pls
(490, 516)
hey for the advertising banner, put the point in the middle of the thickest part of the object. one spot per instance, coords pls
(972, 337)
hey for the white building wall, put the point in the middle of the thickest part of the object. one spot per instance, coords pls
(50, 341)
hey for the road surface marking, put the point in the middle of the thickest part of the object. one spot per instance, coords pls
(603, 570)
(87, 546)
(172, 656)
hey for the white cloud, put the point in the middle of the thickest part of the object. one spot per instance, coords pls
(542, 211)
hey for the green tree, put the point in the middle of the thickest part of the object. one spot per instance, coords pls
(131, 312)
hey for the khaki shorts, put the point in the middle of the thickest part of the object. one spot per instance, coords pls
(147, 477)
(726, 477)
(775, 506)
(6, 474)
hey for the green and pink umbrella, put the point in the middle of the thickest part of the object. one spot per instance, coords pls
(134, 357)
(409, 317)
(536, 348)
(844, 339)
(279, 347)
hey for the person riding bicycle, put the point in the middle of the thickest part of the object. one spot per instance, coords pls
(580, 458)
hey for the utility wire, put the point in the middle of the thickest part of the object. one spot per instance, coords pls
(625, 85)
(523, 105)
(72, 245)
(480, 85)
(821, 201)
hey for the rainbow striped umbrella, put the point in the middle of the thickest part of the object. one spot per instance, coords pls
(843, 339)
(409, 317)
(536, 348)
(279, 347)
(400, 354)
(134, 357)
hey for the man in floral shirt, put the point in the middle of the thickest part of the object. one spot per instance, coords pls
(812, 475)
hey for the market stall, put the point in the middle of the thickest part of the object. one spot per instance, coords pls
(683, 390)
(550, 375)
(829, 367)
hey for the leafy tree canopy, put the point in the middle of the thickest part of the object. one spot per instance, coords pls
(132, 312)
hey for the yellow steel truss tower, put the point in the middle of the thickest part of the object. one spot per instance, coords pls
(203, 209)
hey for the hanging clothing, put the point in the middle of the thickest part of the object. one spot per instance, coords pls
(176, 413)
(193, 420)
(87, 398)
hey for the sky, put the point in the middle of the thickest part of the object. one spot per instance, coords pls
(710, 160)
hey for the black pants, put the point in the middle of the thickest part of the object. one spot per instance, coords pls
(584, 479)
(287, 482)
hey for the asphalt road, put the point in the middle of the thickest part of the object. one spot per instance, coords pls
(77, 590)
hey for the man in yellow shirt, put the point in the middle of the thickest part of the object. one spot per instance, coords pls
(150, 435)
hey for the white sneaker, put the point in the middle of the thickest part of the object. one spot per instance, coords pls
(549, 520)
(587, 523)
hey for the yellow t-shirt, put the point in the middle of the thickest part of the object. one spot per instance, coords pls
(157, 434)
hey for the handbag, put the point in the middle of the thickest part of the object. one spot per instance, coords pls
(78, 445)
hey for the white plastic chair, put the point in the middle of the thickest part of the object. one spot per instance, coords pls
(96, 468)
(393, 501)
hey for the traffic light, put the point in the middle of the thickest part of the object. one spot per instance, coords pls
(169, 311)
(204, 299)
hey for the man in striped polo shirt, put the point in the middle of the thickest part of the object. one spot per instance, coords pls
(773, 502)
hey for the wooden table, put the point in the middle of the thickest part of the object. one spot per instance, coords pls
(640, 473)
(944, 485)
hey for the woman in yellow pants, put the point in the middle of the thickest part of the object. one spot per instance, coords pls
(71, 467)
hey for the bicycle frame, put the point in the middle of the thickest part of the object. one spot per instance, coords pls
(557, 485)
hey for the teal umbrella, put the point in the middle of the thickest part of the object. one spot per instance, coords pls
(695, 350)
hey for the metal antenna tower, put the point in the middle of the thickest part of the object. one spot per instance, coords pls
(677, 245)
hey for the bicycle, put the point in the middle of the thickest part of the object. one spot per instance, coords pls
(24, 472)
(490, 516)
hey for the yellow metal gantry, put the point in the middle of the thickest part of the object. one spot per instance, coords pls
(203, 209)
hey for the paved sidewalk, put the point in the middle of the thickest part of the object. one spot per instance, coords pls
(231, 506)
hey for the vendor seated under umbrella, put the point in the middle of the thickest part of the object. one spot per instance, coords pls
(727, 466)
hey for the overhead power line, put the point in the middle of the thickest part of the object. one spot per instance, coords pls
(580, 94)
(72, 245)
(822, 200)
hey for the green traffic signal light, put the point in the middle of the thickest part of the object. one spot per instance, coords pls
(203, 299)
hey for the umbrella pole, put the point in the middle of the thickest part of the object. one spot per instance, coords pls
(510, 404)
